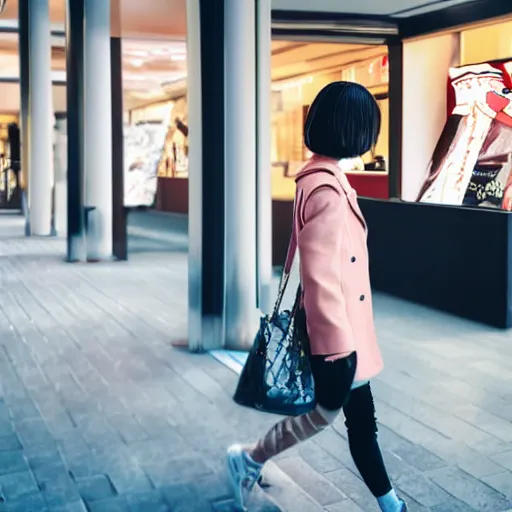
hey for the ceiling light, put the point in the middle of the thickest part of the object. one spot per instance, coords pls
(137, 53)
(135, 78)
(176, 57)
(160, 52)
(137, 63)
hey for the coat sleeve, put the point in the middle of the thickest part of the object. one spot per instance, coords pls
(320, 242)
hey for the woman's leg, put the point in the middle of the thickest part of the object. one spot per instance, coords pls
(333, 379)
(362, 437)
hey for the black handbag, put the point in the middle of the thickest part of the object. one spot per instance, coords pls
(277, 375)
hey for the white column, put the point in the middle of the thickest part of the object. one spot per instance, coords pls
(60, 166)
(40, 113)
(98, 128)
(195, 183)
(240, 184)
(264, 185)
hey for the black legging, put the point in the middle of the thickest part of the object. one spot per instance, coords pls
(333, 381)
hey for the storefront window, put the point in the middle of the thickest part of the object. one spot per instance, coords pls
(471, 163)
(293, 91)
(156, 148)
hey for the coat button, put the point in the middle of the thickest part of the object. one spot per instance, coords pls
(361, 298)
(353, 259)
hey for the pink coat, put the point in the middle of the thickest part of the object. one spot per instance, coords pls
(331, 238)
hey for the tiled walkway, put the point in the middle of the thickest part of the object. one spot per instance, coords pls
(98, 412)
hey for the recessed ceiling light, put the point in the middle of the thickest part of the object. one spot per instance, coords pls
(160, 52)
(177, 57)
(137, 53)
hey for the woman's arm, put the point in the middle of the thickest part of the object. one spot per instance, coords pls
(320, 248)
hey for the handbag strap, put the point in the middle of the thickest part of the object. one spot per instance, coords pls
(292, 250)
(285, 274)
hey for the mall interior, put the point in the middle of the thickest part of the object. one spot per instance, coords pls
(410, 65)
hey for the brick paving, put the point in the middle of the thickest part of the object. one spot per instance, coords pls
(98, 412)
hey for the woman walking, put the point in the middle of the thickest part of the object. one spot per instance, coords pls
(343, 123)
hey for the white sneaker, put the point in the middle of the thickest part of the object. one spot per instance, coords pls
(243, 474)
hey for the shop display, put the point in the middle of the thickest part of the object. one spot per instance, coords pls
(472, 162)
(143, 149)
(175, 156)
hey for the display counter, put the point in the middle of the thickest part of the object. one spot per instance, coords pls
(373, 184)
(366, 183)
(455, 259)
(172, 195)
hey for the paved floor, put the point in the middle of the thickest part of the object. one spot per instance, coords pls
(98, 412)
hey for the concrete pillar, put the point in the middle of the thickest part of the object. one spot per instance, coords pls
(205, 27)
(229, 187)
(119, 214)
(263, 158)
(196, 342)
(60, 166)
(24, 55)
(98, 129)
(241, 315)
(75, 127)
(40, 114)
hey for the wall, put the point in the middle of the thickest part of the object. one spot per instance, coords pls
(491, 42)
(425, 74)
(290, 97)
(10, 97)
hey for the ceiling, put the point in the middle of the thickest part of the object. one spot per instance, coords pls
(379, 7)
(147, 65)
(154, 50)
(156, 70)
(292, 59)
(167, 18)
(148, 19)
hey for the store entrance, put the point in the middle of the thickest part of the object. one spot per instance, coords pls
(10, 185)
(299, 71)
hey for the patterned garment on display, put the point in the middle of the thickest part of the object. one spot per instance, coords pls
(475, 144)
(484, 187)
(144, 145)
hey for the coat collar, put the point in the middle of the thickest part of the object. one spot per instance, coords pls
(318, 164)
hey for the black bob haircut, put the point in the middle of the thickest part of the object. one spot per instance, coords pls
(343, 121)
